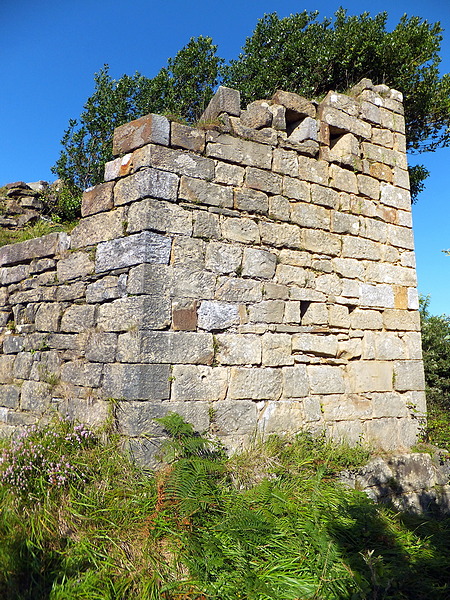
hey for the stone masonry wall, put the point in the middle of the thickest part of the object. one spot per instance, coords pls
(255, 274)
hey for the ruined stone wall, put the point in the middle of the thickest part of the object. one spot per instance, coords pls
(255, 275)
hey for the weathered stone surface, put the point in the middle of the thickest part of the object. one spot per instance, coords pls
(309, 215)
(78, 318)
(193, 284)
(370, 376)
(137, 382)
(295, 382)
(280, 235)
(310, 169)
(109, 287)
(204, 192)
(119, 167)
(257, 115)
(255, 384)
(150, 128)
(124, 314)
(145, 183)
(240, 230)
(165, 347)
(145, 247)
(77, 264)
(381, 296)
(206, 225)
(251, 200)
(9, 396)
(258, 263)
(228, 174)
(190, 138)
(321, 242)
(98, 228)
(101, 347)
(35, 396)
(225, 100)
(297, 108)
(10, 275)
(409, 375)
(279, 208)
(235, 349)
(152, 280)
(267, 311)
(184, 315)
(176, 161)
(277, 350)
(48, 316)
(214, 316)
(47, 245)
(319, 345)
(160, 216)
(325, 379)
(401, 320)
(97, 199)
(82, 373)
(285, 162)
(240, 151)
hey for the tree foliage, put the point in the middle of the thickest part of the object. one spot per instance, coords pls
(436, 355)
(298, 53)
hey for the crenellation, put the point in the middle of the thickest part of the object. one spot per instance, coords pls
(254, 274)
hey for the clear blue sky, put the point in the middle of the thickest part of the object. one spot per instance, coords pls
(50, 50)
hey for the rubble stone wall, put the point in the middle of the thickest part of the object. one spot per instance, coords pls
(255, 274)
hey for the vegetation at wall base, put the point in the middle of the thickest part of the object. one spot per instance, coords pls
(272, 523)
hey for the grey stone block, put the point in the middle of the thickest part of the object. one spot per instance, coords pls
(137, 382)
(223, 258)
(78, 317)
(145, 247)
(144, 312)
(47, 245)
(150, 128)
(171, 347)
(146, 183)
(101, 347)
(35, 396)
(198, 191)
(255, 383)
(176, 161)
(225, 100)
(9, 396)
(98, 228)
(199, 383)
(158, 215)
(77, 264)
(82, 373)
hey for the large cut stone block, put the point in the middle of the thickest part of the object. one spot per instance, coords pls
(159, 215)
(150, 128)
(97, 199)
(176, 161)
(145, 312)
(204, 192)
(47, 245)
(148, 182)
(238, 349)
(325, 379)
(370, 376)
(98, 228)
(137, 382)
(409, 375)
(145, 247)
(175, 347)
(225, 100)
(213, 315)
(199, 382)
(243, 152)
(255, 383)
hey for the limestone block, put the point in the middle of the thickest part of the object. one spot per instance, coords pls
(278, 117)
(237, 349)
(368, 186)
(409, 375)
(193, 284)
(379, 171)
(137, 382)
(401, 320)
(366, 319)
(349, 267)
(342, 122)
(346, 408)
(267, 135)
(240, 229)
(349, 349)
(181, 162)
(206, 225)
(101, 347)
(77, 264)
(255, 383)
(383, 137)
(310, 215)
(388, 404)
(280, 235)
(204, 192)
(150, 128)
(321, 242)
(400, 178)
(228, 174)
(9, 396)
(325, 379)
(47, 245)
(388, 346)
(14, 343)
(401, 237)
(292, 312)
(279, 208)
(98, 228)
(296, 189)
(264, 181)
(277, 350)
(395, 196)
(258, 263)
(78, 317)
(119, 167)
(338, 316)
(360, 248)
(124, 314)
(251, 200)
(370, 376)
(48, 316)
(371, 113)
(381, 295)
(74, 291)
(290, 275)
(408, 259)
(267, 311)
(82, 373)
(189, 138)
(238, 418)
(404, 218)
(344, 223)
(188, 253)
(343, 179)
(242, 152)
(153, 280)
(296, 106)
(158, 215)
(165, 347)
(413, 298)
(319, 345)
(305, 129)
(223, 258)
(385, 433)
(257, 115)
(274, 291)
(342, 102)
(10, 275)
(225, 100)
(145, 247)
(97, 199)
(199, 382)
(329, 284)
(380, 154)
(285, 162)
(295, 382)
(385, 273)
(315, 314)
(35, 396)
(345, 150)
(313, 170)
(213, 315)
(106, 288)
(144, 183)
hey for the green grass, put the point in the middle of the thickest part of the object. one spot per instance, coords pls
(271, 523)
(42, 227)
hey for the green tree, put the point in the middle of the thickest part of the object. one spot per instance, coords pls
(301, 54)
(184, 87)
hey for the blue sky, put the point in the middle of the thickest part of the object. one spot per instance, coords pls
(50, 50)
